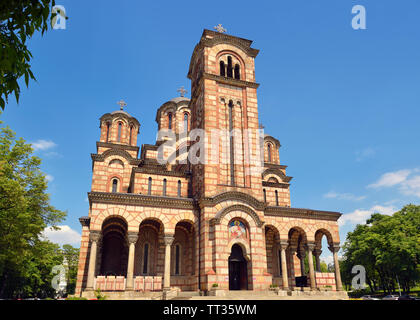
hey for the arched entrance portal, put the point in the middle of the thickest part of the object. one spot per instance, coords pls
(238, 275)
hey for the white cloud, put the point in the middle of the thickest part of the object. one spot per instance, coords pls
(65, 235)
(365, 153)
(43, 145)
(343, 196)
(411, 186)
(407, 181)
(49, 177)
(360, 216)
(390, 179)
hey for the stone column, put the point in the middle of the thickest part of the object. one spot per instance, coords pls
(311, 247)
(317, 253)
(301, 255)
(167, 274)
(132, 239)
(94, 237)
(283, 246)
(338, 283)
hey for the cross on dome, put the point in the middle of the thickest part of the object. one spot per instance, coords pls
(182, 91)
(220, 29)
(122, 104)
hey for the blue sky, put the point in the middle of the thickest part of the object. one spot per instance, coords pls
(344, 103)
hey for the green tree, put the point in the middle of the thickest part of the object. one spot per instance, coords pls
(388, 247)
(72, 257)
(19, 19)
(24, 210)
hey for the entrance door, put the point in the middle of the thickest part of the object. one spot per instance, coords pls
(238, 275)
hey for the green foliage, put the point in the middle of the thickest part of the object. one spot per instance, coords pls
(99, 295)
(25, 258)
(72, 257)
(76, 298)
(19, 19)
(389, 249)
(215, 285)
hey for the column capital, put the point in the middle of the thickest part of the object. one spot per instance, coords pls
(132, 237)
(310, 246)
(283, 244)
(169, 239)
(317, 252)
(334, 248)
(94, 236)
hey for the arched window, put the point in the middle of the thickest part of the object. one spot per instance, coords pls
(237, 72)
(222, 68)
(119, 131)
(277, 198)
(114, 185)
(170, 121)
(131, 133)
(265, 195)
(229, 68)
(164, 187)
(177, 260)
(149, 189)
(145, 258)
(269, 152)
(107, 131)
(185, 122)
(179, 188)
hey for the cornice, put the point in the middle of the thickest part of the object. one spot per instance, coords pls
(274, 165)
(116, 146)
(302, 213)
(159, 171)
(275, 184)
(141, 200)
(230, 81)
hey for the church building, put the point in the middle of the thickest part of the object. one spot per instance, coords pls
(180, 225)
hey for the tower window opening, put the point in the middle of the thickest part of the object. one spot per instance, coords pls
(119, 131)
(269, 152)
(265, 195)
(237, 72)
(229, 68)
(222, 68)
(164, 187)
(131, 133)
(114, 185)
(277, 198)
(170, 121)
(179, 188)
(149, 189)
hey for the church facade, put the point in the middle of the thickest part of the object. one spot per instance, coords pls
(187, 225)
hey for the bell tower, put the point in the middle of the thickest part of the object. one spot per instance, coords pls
(224, 97)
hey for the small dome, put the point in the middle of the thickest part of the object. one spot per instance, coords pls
(179, 99)
(123, 112)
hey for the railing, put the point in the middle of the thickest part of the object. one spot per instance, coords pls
(119, 283)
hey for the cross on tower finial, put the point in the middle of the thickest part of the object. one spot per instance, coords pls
(182, 91)
(122, 104)
(220, 29)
